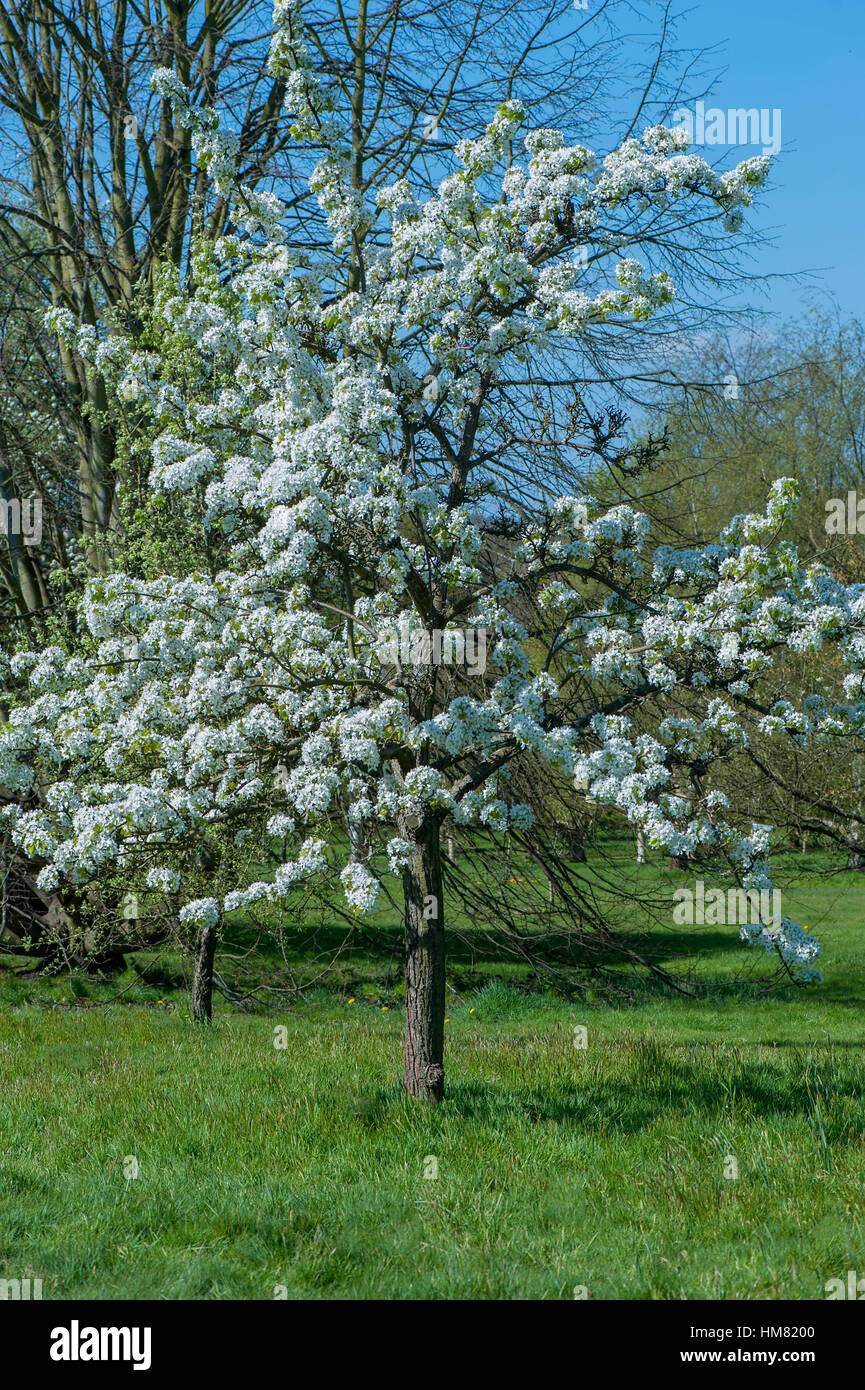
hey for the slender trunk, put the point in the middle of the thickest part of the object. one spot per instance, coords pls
(202, 981)
(641, 847)
(358, 848)
(20, 570)
(423, 1072)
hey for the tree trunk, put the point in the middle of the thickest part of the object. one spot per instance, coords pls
(641, 847)
(572, 838)
(202, 981)
(358, 847)
(423, 1071)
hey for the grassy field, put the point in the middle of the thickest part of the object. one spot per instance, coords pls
(302, 1169)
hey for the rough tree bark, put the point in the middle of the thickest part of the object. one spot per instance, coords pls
(202, 982)
(423, 1071)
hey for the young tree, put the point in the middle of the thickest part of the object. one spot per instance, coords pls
(353, 449)
(100, 187)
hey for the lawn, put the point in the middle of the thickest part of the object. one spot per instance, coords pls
(708, 1147)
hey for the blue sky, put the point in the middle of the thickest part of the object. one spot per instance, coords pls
(809, 60)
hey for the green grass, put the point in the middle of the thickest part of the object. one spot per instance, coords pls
(557, 1166)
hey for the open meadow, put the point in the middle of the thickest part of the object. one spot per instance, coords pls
(301, 1170)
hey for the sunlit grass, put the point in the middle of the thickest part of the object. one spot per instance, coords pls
(302, 1168)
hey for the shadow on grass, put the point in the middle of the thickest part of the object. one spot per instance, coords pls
(711, 962)
(467, 943)
(719, 1086)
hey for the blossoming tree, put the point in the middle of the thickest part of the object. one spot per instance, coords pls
(352, 444)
